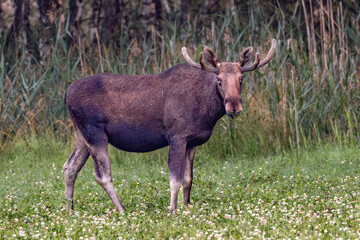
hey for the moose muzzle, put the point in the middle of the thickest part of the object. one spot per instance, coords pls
(233, 107)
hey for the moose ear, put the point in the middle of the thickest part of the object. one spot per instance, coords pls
(245, 56)
(211, 57)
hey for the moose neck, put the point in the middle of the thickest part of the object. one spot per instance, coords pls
(219, 99)
(197, 89)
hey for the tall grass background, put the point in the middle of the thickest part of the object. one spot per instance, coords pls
(308, 94)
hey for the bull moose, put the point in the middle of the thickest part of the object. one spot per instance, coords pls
(177, 108)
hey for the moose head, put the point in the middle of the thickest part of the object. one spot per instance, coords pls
(230, 75)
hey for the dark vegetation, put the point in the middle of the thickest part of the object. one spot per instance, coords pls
(309, 92)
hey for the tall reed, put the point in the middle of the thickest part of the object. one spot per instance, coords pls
(308, 92)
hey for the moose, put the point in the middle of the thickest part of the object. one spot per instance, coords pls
(140, 113)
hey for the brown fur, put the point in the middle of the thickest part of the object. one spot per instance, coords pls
(177, 108)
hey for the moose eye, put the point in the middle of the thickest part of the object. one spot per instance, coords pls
(242, 79)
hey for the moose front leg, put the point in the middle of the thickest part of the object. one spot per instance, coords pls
(177, 156)
(188, 174)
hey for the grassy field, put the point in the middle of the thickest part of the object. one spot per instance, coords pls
(313, 193)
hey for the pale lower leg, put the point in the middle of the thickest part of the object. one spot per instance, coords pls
(177, 151)
(103, 175)
(108, 185)
(71, 169)
(174, 189)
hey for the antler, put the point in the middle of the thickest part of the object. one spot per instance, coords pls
(194, 64)
(257, 63)
(188, 59)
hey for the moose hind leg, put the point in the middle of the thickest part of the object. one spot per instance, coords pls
(176, 169)
(72, 167)
(103, 176)
(188, 174)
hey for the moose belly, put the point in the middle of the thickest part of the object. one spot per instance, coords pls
(200, 138)
(136, 139)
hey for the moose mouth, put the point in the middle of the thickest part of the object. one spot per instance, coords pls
(232, 116)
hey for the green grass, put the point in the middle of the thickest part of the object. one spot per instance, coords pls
(312, 193)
